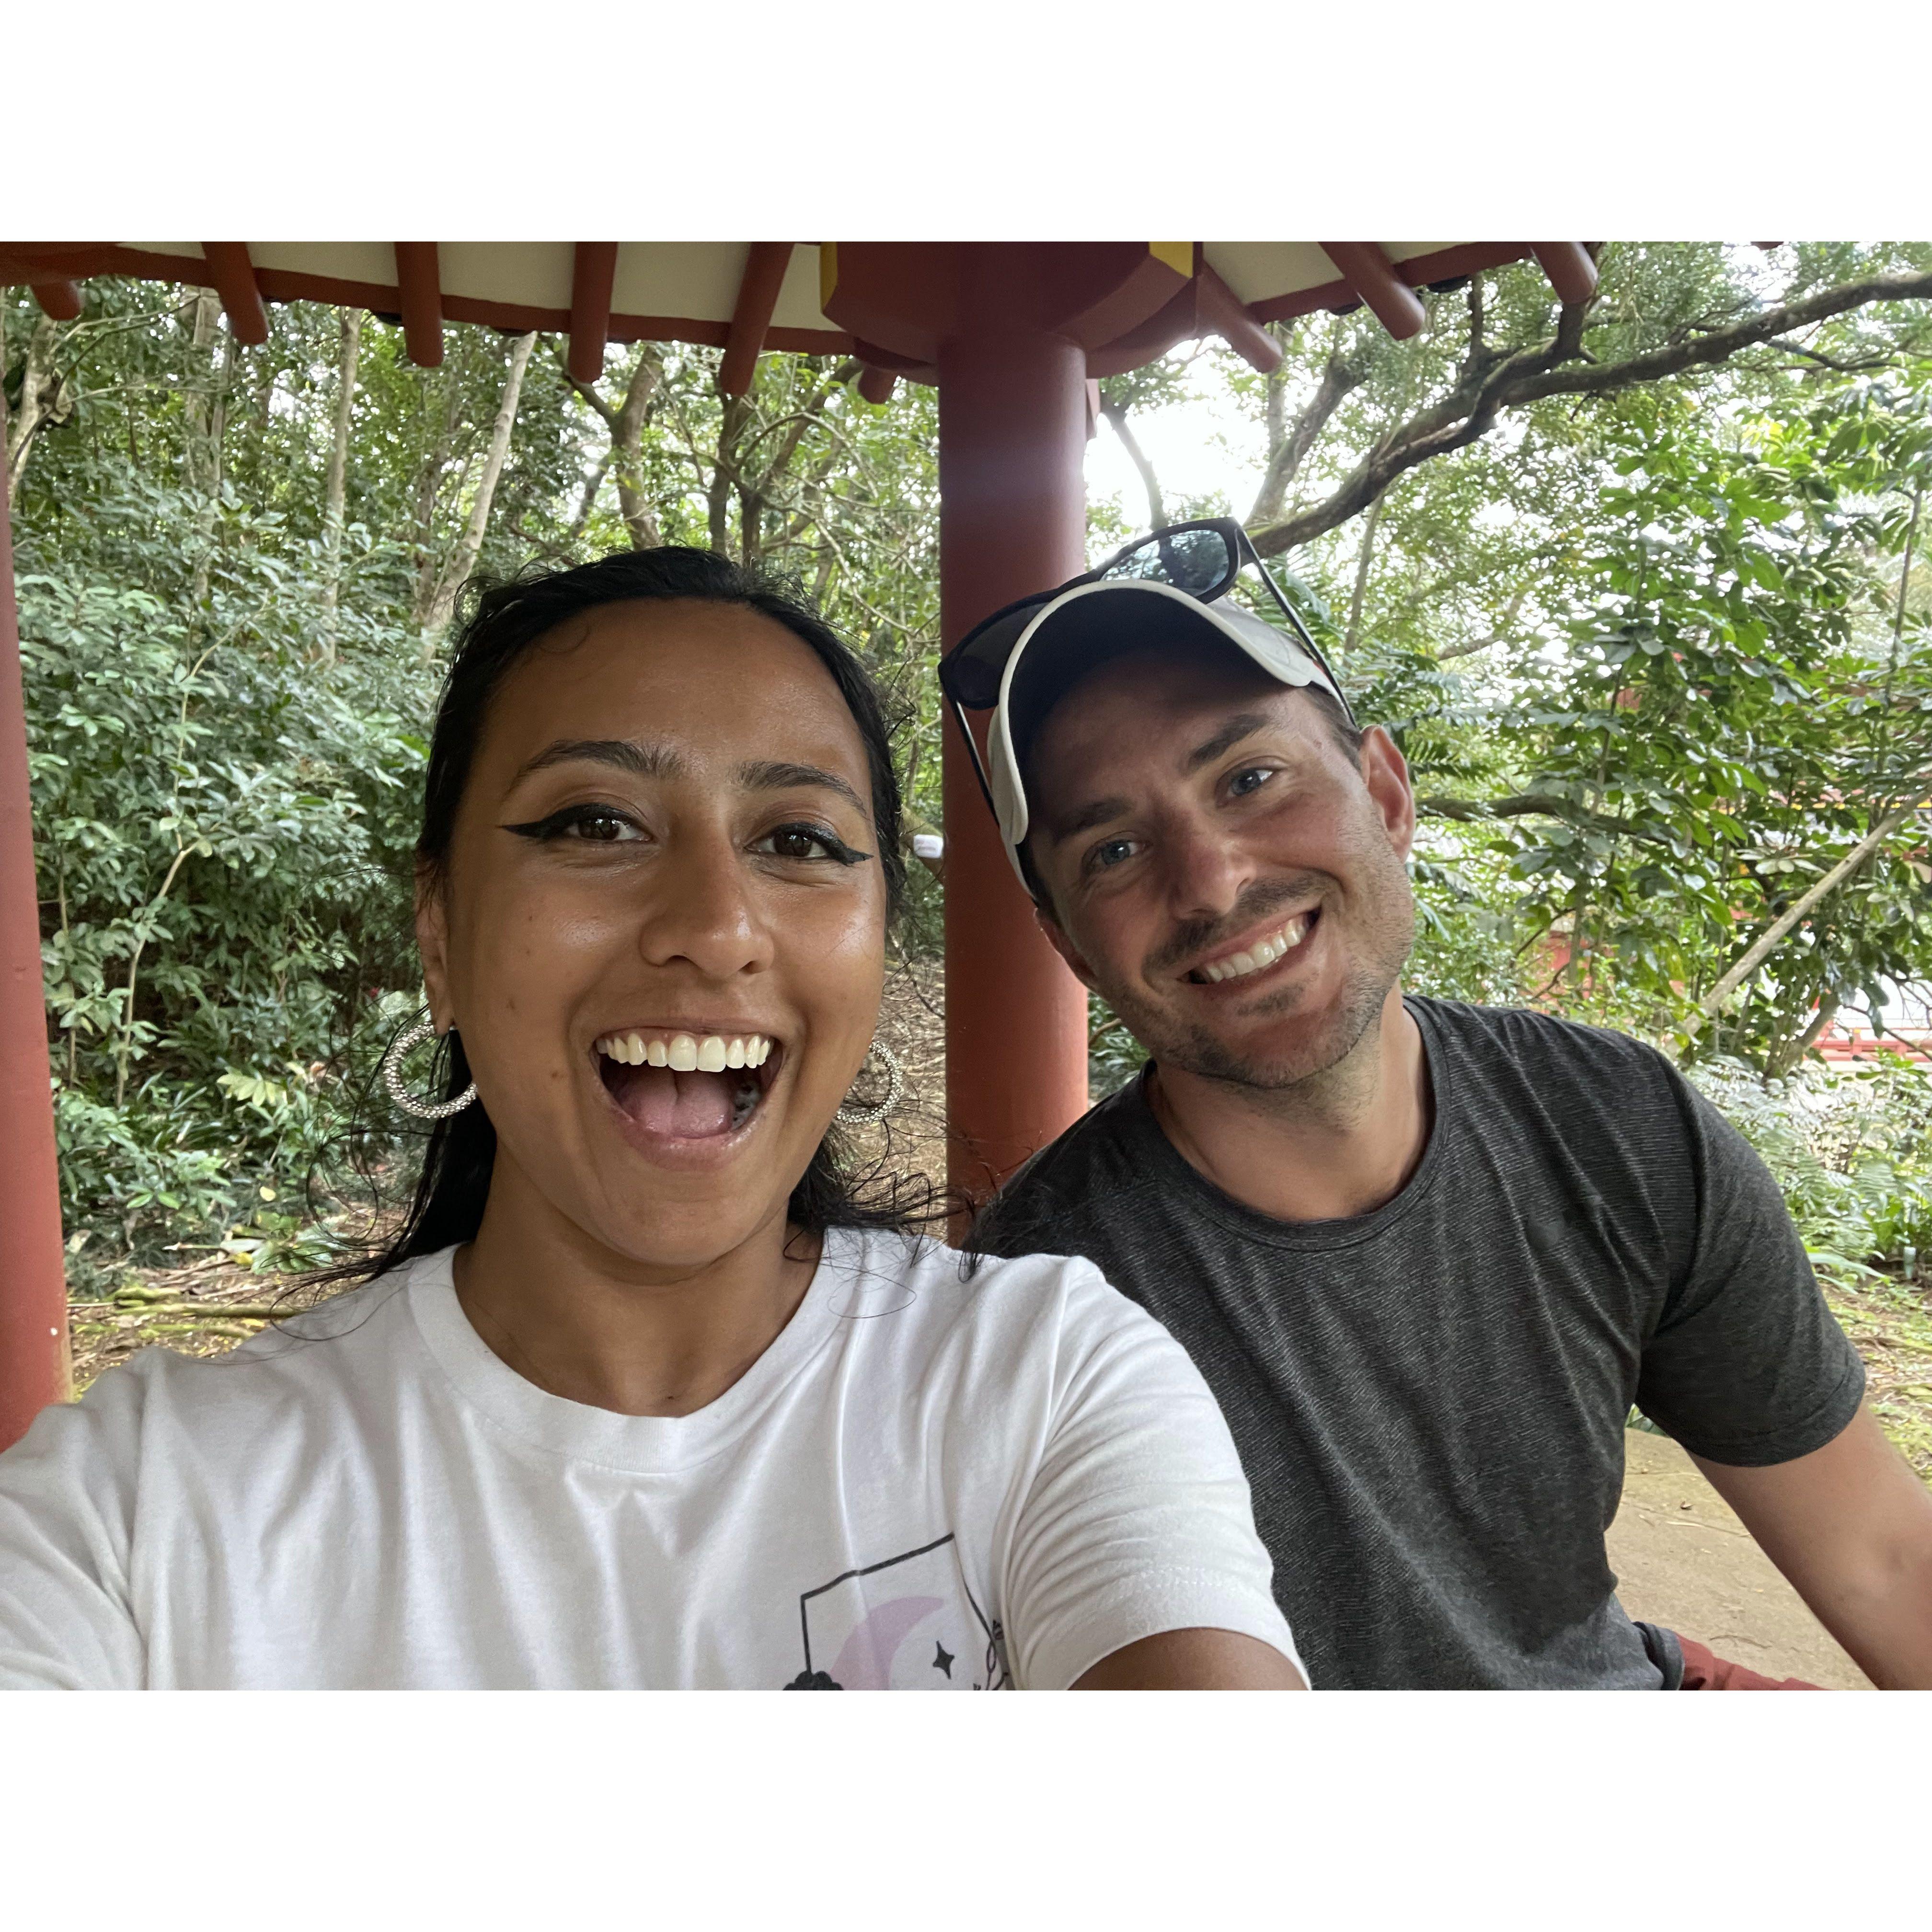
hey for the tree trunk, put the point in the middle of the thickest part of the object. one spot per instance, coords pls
(1116, 415)
(208, 417)
(1369, 524)
(336, 495)
(45, 397)
(627, 449)
(724, 478)
(462, 560)
(626, 423)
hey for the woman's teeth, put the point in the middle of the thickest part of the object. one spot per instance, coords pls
(685, 1053)
(1264, 953)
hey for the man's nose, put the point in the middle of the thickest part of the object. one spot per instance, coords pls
(1207, 870)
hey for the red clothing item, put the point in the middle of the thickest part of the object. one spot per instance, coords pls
(1704, 1670)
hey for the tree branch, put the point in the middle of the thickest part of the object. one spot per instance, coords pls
(1755, 955)
(1116, 413)
(1490, 383)
(1285, 456)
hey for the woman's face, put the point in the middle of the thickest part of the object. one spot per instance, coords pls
(661, 932)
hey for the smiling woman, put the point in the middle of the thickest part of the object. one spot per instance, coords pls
(648, 1391)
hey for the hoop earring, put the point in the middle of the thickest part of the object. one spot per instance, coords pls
(392, 1076)
(850, 1116)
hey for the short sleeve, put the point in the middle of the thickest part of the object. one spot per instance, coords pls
(66, 1491)
(1137, 1519)
(1747, 1365)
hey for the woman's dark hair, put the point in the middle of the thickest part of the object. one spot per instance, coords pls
(507, 619)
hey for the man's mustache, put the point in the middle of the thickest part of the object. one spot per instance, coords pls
(1263, 897)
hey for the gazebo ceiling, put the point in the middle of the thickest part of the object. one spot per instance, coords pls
(744, 297)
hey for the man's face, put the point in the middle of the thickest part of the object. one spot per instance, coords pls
(1218, 868)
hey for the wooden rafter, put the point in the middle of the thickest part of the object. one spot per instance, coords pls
(233, 274)
(1572, 274)
(1370, 273)
(1220, 309)
(419, 289)
(592, 278)
(60, 300)
(765, 267)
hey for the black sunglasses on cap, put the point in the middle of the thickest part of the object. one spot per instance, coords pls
(1201, 561)
(1203, 558)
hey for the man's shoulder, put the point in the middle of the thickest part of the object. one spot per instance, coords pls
(1542, 1045)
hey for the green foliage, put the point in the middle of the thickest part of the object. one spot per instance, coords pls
(1852, 1153)
(1720, 732)
(1657, 658)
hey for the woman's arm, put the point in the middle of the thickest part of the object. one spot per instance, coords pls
(1195, 1660)
(1133, 1561)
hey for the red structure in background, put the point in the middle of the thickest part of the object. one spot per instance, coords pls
(1013, 334)
(33, 1280)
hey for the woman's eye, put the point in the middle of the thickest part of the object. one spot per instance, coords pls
(601, 828)
(808, 842)
(581, 824)
(1252, 779)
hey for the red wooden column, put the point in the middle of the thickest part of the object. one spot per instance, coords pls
(33, 1279)
(1012, 520)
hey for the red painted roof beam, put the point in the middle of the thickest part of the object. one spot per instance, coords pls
(765, 267)
(234, 277)
(1371, 275)
(591, 282)
(1218, 306)
(876, 385)
(1571, 272)
(60, 301)
(419, 289)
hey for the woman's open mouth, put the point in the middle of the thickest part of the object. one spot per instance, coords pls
(684, 1086)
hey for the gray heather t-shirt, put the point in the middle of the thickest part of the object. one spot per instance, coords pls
(1429, 1400)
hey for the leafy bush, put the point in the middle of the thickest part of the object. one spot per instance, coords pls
(1852, 1153)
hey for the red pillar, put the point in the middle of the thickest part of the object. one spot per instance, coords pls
(33, 1281)
(1012, 436)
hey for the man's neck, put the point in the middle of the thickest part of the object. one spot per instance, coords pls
(1336, 1145)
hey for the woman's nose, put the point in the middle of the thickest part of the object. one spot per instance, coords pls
(705, 912)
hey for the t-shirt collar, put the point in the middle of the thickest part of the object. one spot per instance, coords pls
(639, 1445)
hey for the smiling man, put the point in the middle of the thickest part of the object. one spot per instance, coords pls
(1427, 1254)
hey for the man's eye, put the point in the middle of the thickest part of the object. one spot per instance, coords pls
(1252, 779)
(1110, 852)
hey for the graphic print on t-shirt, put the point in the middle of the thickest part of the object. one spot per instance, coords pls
(910, 1622)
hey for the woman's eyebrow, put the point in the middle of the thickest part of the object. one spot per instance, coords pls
(765, 775)
(644, 761)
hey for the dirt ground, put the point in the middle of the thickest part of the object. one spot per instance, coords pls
(1682, 1557)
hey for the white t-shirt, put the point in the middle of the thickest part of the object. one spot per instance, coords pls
(925, 1482)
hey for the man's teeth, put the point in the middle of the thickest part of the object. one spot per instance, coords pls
(685, 1053)
(1265, 952)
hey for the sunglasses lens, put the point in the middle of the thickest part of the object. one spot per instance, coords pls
(1200, 562)
(970, 674)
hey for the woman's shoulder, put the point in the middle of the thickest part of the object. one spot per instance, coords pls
(311, 1355)
(1031, 1300)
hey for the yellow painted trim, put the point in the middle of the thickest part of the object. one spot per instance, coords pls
(828, 273)
(1179, 256)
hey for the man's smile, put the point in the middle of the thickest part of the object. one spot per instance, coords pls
(1256, 953)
